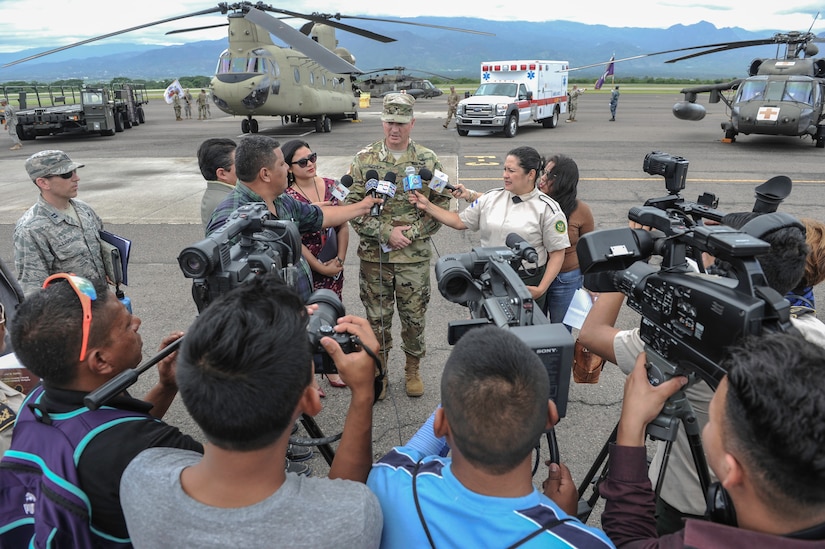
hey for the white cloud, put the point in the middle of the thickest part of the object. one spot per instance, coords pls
(52, 23)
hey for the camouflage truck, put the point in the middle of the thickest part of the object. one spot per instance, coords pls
(54, 110)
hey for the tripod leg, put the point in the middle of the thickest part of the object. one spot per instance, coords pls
(314, 431)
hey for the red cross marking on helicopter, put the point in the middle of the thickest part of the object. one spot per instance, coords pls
(768, 114)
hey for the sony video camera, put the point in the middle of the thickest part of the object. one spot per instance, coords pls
(486, 281)
(251, 243)
(688, 318)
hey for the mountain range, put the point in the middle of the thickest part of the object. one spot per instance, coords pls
(425, 49)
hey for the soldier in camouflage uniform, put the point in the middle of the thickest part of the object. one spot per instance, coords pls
(452, 105)
(10, 123)
(176, 104)
(59, 233)
(394, 247)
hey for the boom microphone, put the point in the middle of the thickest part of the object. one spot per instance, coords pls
(517, 243)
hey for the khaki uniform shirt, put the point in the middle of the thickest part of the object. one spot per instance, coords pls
(538, 219)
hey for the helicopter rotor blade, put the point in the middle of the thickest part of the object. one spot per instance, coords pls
(220, 8)
(300, 42)
(364, 18)
(322, 19)
(193, 29)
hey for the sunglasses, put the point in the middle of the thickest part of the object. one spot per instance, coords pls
(62, 175)
(2, 314)
(304, 161)
(86, 293)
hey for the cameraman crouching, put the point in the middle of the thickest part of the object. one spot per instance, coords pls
(245, 373)
(681, 495)
(763, 439)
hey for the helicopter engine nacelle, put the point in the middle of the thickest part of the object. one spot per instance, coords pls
(345, 54)
(753, 70)
(685, 110)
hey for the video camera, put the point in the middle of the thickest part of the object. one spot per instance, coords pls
(251, 243)
(486, 281)
(688, 318)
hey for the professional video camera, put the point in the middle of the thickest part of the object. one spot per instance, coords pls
(688, 318)
(251, 242)
(486, 281)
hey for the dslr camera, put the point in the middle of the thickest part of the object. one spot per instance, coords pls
(486, 281)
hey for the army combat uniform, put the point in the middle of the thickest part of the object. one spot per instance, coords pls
(402, 275)
(10, 123)
(48, 241)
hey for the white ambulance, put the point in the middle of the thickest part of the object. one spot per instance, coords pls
(514, 93)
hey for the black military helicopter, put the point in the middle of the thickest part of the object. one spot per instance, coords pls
(312, 79)
(394, 79)
(784, 95)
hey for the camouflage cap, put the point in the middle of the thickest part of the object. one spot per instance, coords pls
(398, 107)
(44, 163)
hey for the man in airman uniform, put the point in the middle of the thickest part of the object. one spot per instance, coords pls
(394, 246)
(10, 116)
(59, 234)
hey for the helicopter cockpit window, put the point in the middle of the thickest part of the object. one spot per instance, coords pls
(752, 89)
(798, 91)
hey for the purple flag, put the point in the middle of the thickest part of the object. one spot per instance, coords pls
(607, 72)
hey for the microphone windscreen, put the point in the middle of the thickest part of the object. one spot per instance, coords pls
(346, 181)
(426, 174)
(390, 177)
(371, 174)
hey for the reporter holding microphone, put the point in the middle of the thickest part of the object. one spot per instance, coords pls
(517, 207)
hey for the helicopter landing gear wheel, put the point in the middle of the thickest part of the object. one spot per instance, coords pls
(253, 126)
(284, 120)
(245, 125)
(819, 139)
(327, 125)
(730, 135)
(319, 124)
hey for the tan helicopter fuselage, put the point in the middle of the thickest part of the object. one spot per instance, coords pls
(256, 77)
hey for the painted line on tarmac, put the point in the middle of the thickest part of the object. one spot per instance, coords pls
(636, 180)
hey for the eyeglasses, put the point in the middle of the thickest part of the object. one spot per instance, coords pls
(304, 161)
(86, 293)
(63, 175)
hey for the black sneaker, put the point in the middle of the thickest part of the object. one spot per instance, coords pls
(298, 468)
(298, 453)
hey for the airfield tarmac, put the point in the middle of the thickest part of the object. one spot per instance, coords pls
(146, 186)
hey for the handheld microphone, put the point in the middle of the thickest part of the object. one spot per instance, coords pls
(521, 246)
(387, 187)
(371, 187)
(437, 181)
(412, 182)
(341, 188)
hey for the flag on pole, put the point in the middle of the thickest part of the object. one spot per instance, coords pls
(170, 91)
(607, 72)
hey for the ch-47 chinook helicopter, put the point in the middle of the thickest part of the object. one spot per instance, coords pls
(781, 96)
(312, 79)
(379, 85)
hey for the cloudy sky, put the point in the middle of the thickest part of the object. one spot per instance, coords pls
(52, 23)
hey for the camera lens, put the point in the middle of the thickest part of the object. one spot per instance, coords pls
(193, 262)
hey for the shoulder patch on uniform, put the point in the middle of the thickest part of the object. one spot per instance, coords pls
(561, 226)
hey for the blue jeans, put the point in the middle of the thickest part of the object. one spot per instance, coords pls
(560, 294)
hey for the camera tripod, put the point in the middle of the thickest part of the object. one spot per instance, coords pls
(317, 438)
(664, 427)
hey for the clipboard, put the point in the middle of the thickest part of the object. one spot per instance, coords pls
(115, 250)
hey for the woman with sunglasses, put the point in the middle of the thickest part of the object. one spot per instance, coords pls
(560, 182)
(323, 250)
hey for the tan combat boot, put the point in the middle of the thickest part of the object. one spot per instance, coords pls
(16, 147)
(415, 387)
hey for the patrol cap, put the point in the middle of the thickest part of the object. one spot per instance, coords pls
(44, 163)
(398, 107)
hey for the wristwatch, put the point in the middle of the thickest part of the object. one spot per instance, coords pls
(340, 261)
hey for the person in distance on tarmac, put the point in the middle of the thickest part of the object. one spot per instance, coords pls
(517, 207)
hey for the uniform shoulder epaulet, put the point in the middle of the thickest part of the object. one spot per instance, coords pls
(550, 202)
